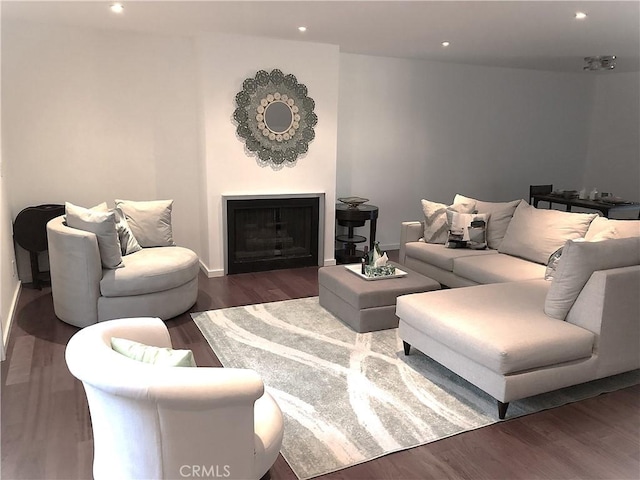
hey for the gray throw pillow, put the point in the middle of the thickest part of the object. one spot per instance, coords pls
(150, 221)
(103, 225)
(128, 242)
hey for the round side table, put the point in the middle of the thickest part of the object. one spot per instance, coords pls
(351, 218)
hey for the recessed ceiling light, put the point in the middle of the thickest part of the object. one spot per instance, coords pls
(581, 15)
(302, 29)
(117, 8)
(445, 44)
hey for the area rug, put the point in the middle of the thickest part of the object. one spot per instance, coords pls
(348, 397)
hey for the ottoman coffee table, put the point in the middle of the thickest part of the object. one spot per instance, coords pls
(367, 305)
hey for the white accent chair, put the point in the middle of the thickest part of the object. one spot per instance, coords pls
(152, 422)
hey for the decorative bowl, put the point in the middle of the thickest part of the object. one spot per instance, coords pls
(353, 202)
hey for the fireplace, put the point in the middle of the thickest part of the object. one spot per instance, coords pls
(270, 233)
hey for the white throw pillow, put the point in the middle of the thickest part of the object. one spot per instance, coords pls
(552, 265)
(623, 228)
(435, 219)
(460, 222)
(500, 216)
(578, 261)
(103, 225)
(534, 234)
(161, 356)
(150, 221)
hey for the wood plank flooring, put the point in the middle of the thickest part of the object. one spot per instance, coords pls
(46, 429)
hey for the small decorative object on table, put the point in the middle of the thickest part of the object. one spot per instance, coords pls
(353, 202)
(375, 263)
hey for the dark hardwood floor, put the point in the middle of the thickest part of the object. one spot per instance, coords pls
(46, 429)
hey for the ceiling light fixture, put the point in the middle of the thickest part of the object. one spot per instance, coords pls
(581, 15)
(117, 8)
(601, 62)
(302, 29)
(446, 44)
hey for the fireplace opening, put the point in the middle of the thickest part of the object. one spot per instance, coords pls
(270, 234)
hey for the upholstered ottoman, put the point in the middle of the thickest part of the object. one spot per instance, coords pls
(367, 305)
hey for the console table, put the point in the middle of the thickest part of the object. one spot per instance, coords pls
(601, 206)
(351, 218)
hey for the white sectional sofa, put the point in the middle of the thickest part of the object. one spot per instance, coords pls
(512, 333)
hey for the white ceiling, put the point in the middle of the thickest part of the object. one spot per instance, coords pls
(541, 35)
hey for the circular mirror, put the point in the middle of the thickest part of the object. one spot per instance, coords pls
(278, 117)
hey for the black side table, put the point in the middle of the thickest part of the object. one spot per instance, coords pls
(30, 232)
(351, 218)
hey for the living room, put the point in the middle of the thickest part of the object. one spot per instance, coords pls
(92, 112)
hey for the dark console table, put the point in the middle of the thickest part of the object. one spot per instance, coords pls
(351, 218)
(600, 205)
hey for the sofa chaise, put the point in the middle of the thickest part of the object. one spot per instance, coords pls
(510, 331)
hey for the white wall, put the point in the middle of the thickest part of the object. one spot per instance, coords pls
(92, 115)
(230, 170)
(613, 158)
(413, 129)
(9, 284)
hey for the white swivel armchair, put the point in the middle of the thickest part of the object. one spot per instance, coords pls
(152, 422)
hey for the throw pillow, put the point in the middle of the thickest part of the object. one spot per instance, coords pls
(500, 216)
(103, 225)
(149, 221)
(534, 234)
(579, 260)
(435, 219)
(462, 221)
(128, 242)
(622, 228)
(554, 259)
(161, 356)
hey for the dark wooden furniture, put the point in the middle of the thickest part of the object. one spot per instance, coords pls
(351, 218)
(600, 205)
(539, 190)
(30, 232)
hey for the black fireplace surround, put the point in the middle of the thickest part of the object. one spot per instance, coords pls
(272, 233)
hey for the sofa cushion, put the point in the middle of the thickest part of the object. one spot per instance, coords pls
(497, 268)
(502, 327)
(150, 270)
(150, 221)
(613, 228)
(439, 255)
(500, 214)
(103, 225)
(534, 234)
(435, 219)
(578, 261)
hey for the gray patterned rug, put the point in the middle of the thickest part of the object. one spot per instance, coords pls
(348, 397)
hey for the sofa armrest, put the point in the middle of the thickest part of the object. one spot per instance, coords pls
(409, 232)
(76, 271)
(608, 306)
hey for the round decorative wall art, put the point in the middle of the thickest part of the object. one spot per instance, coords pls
(275, 117)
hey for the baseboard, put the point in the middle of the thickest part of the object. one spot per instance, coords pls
(329, 262)
(13, 308)
(211, 273)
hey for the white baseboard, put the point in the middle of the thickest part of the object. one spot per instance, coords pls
(13, 308)
(209, 272)
(329, 262)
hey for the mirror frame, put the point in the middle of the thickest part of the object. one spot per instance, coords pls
(257, 94)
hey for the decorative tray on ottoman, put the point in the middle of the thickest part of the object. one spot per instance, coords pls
(376, 273)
